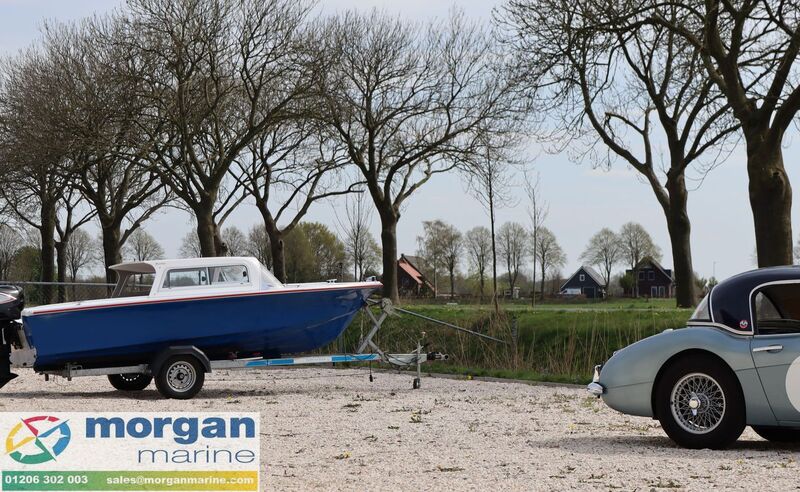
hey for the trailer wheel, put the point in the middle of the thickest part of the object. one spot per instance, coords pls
(130, 382)
(180, 377)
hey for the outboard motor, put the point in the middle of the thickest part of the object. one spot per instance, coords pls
(12, 301)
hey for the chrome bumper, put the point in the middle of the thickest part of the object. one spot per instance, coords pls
(595, 388)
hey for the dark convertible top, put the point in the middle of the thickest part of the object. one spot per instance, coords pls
(729, 303)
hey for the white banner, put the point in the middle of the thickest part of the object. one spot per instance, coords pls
(130, 451)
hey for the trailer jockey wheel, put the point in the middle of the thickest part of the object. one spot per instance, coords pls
(416, 383)
(130, 382)
(180, 377)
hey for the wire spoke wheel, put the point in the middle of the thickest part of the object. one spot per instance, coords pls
(697, 403)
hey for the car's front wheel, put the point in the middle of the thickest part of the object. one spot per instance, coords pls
(778, 434)
(699, 403)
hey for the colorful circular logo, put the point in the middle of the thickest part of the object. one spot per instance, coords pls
(38, 439)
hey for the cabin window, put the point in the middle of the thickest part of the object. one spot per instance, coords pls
(582, 277)
(188, 277)
(641, 275)
(777, 309)
(651, 275)
(229, 275)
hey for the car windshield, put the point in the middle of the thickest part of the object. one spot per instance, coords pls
(702, 312)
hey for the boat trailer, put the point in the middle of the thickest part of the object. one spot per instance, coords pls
(179, 371)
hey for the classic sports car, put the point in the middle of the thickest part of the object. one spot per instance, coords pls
(737, 363)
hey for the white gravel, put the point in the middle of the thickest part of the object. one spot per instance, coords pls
(334, 430)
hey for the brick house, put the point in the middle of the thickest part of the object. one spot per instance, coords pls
(651, 280)
(411, 281)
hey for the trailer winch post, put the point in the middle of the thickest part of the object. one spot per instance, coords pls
(418, 380)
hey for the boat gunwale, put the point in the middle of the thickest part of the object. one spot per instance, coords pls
(136, 301)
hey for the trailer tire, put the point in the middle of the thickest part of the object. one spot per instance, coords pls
(130, 382)
(180, 377)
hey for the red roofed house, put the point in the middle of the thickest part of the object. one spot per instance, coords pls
(411, 282)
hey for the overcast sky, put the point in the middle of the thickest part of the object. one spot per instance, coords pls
(582, 199)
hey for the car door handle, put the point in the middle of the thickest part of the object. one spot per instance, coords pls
(768, 348)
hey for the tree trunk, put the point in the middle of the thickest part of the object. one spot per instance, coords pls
(482, 279)
(533, 279)
(544, 270)
(452, 282)
(61, 268)
(207, 232)
(770, 200)
(111, 249)
(680, 227)
(389, 243)
(47, 233)
(276, 247)
(494, 252)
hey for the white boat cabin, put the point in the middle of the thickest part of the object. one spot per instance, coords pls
(192, 276)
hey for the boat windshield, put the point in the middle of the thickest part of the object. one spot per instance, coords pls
(134, 284)
(268, 280)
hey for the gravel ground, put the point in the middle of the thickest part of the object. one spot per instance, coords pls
(334, 430)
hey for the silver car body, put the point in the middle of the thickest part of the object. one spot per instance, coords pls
(767, 365)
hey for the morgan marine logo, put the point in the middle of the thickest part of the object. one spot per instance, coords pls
(38, 440)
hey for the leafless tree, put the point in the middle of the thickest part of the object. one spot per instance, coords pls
(104, 115)
(551, 256)
(636, 244)
(10, 242)
(190, 246)
(371, 260)
(512, 241)
(221, 73)
(431, 247)
(490, 182)
(286, 170)
(358, 241)
(33, 150)
(258, 244)
(538, 209)
(142, 246)
(604, 250)
(478, 243)
(749, 50)
(407, 102)
(616, 93)
(453, 245)
(71, 215)
(79, 253)
(235, 241)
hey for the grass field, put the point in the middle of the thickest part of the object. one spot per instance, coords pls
(555, 342)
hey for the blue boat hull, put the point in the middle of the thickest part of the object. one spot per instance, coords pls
(268, 324)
